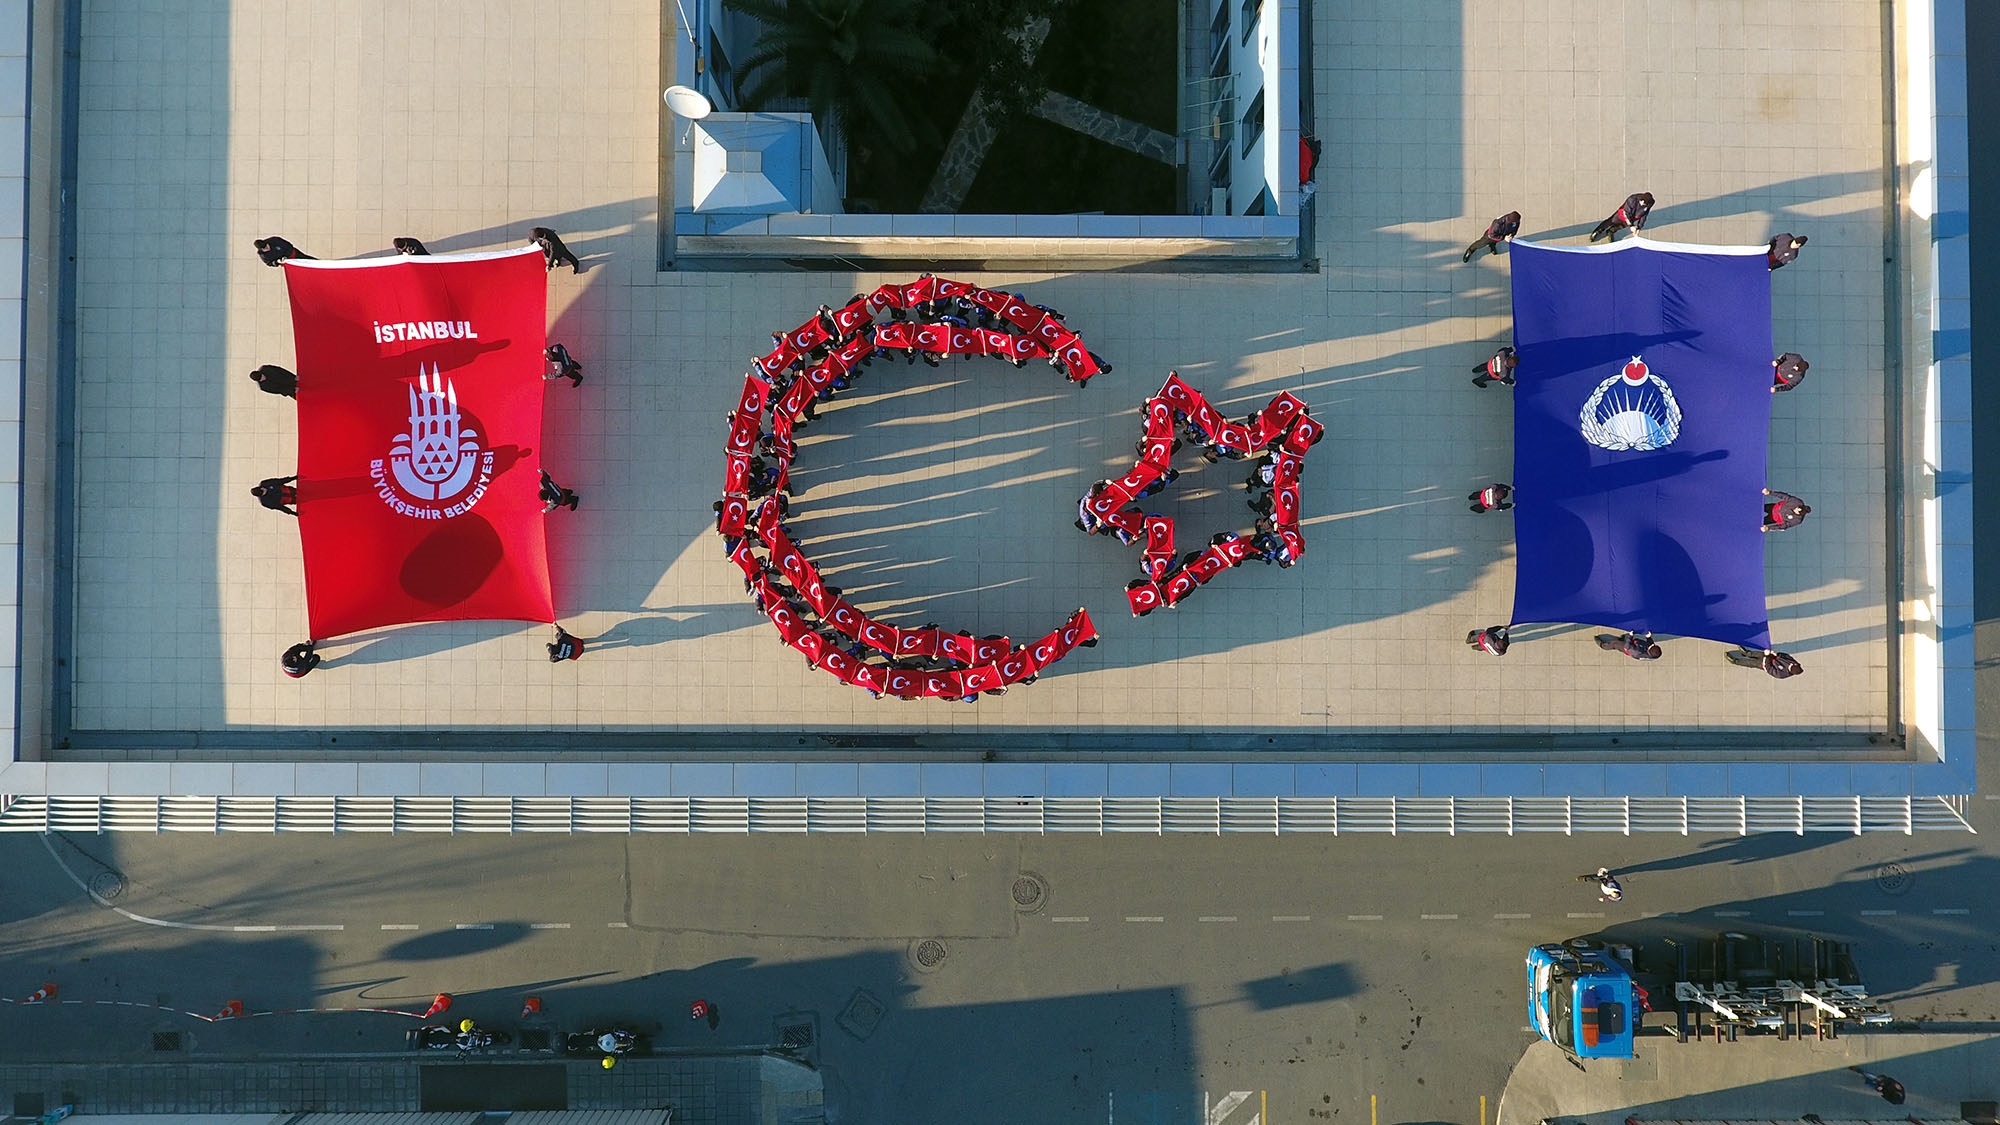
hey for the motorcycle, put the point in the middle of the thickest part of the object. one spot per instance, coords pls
(435, 1037)
(610, 1042)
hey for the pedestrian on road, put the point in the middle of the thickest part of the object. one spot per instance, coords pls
(1631, 215)
(277, 494)
(1783, 249)
(564, 647)
(1638, 646)
(1783, 511)
(554, 253)
(554, 495)
(1498, 369)
(410, 246)
(1778, 665)
(299, 659)
(1608, 889)
(1788, 371)
(1502, 229)
(562, 365)
(1890, 1089)
(274, 250)
(275, 380)
(1492, 498)
(1491, 640)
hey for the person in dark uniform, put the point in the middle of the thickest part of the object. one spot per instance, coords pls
(562, 365)
(556, 496)
(274, 250)
(554, 253)
(1631, 215)
(410, 246)
(1492, 498)
(1777, 665)
(1502, 229)
(1491, 640)
(1638, 646)
(1783, 511)
(564, 647)
(277, 494)
(1499, 369)
(275, 380)
(299, 659)
(1783, 249)
(1788, 371)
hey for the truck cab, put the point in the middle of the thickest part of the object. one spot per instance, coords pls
(1582, 998)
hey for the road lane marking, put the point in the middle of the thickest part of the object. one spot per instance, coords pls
(1216, 918)
(617, 925)
(398, 926)
(1512, 917)
(255, 929)
(1439, 917)
(1878, 914)
(1071, 918)
(1950, 910)
(548, 925)
(1144, 918)
(1731, 913)
(1805, 913)
(473, 926)
(330, 926)
(1586, 913)
(1291, 917)
(1364, 917)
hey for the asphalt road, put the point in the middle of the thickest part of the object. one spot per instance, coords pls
(1156, 976)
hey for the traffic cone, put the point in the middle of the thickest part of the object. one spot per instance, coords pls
(442, 1002)
(533, 1007)
(230, 1010)
(46, 992)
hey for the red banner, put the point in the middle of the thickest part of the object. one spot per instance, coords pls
(420, 438)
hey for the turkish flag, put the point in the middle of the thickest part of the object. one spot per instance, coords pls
(1144, 598)
(420, 438)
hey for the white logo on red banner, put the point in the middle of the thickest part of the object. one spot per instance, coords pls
(438, 460)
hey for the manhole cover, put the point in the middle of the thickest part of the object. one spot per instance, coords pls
(166, 1041)
(1031, 892)
(927, 954)
(107, 885)
(1893, 878)
(861, 1015)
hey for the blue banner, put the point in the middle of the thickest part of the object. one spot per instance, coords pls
(1642, 410)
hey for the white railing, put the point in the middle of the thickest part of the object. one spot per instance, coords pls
(1207, 815)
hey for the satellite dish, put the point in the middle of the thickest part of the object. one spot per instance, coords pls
(688, 102)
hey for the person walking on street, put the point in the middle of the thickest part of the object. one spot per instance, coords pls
(275, 380)
(1783, 511)
(562, 365)
(556, 496)
(1890, 1089)
(1631, 215)
(1499, 369)
(277, 494)
(1788, 371)
(274, 250)
(1502, 229)
(1608, 889)
(299, 660)
(554, 253)
(1778, 665)
(1492, 498)
(410, 246)
(1783, 249)
(1491, 640)
(1638, 646)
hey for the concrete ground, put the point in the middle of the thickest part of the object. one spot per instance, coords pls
(947, 496)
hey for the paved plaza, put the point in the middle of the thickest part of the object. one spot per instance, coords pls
(947, 495)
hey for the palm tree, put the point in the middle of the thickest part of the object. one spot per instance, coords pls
(852, 60)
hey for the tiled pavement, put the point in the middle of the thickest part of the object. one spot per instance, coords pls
(947, 495)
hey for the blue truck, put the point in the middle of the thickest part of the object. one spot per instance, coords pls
(1582, 998)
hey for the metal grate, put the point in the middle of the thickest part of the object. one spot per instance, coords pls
(1740, 816)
